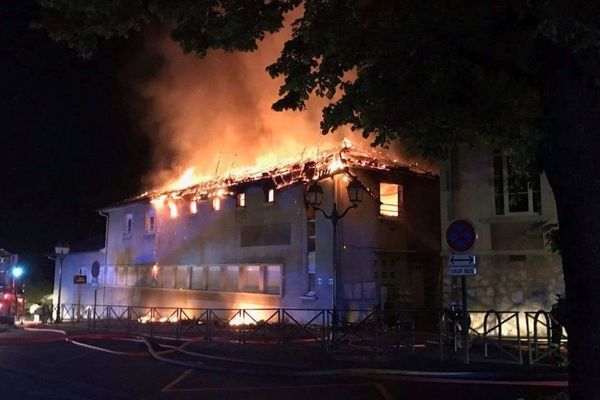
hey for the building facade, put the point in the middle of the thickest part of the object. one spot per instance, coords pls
(515, 268)
(252, 241)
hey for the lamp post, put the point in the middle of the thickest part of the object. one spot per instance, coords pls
(16, 272)
(61, 251)
(314, 196)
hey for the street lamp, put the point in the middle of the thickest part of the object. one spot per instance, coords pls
(61, 251)
(314, 196)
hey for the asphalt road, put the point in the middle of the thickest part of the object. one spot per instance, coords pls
(33, 369)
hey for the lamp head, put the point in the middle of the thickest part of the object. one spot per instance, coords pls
(61, 249)
(355, 191)
(314, 195)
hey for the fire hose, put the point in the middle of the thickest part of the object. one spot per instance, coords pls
(292, 371)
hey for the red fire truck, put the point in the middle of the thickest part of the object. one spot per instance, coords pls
(8, 295)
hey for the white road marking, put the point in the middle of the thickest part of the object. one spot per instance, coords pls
(383, 391)
(176, 381)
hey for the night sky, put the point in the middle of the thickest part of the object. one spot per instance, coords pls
(69, 144)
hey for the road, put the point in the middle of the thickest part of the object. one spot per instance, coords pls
(57, 369)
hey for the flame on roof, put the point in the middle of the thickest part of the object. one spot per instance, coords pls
(306, 167)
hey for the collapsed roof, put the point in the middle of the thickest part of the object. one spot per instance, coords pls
(307, 167)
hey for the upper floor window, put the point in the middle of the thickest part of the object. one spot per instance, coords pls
(128, 224)
(391, 196)
(241, 200)
(514, 192)
(150, 223)
(216, 203)
(271, 196)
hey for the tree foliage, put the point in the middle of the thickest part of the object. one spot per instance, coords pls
(429, 72)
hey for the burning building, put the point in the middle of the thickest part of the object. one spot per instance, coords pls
(250, 240)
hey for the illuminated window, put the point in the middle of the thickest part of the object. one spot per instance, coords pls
(271, 196)
(193, 207)
(241, 199)
(128, 224)
(150, 223)
(216, 203)
(172, 209)
(391, 198)
(515, 193)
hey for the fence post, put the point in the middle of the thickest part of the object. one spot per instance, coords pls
(519, 339)
(208, 323)
(281, 321)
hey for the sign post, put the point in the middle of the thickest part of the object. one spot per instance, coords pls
(95, 274)
(461, 236)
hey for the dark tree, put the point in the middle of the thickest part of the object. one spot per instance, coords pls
(521, 75)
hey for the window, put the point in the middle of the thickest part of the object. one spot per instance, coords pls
(150, 223)
(144, 276)
(132, 276)
(167, 277)
(241, 200)
(216, 203)
(271, 196)
(110, 276)
(198, 278)
(514, 192)
(273, 279)
(233, 278)
(193, 207)
(214, 278)
(128, 224)
(252, 283)
(173, 212)
(183, 278)
(121, 276)
(102, 275)
(249, 278)
(391, 198)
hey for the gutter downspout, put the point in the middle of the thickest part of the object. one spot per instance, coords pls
(105, 255)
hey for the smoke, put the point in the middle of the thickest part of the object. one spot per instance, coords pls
(214, 113)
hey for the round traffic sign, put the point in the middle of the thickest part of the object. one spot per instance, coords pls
(461, 235)
(95, 269)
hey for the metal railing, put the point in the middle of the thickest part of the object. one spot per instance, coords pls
(490, 337)
(544, 338)
(493, 335)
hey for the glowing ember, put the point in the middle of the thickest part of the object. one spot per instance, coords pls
(193, 207)
(159, 201)
(336, 164)
(239, 319)
(250, 314)
(146, 319)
